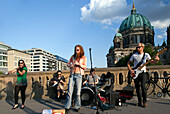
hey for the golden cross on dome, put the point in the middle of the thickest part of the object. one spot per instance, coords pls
(133, 5)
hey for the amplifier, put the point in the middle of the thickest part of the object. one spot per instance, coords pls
(114, 98)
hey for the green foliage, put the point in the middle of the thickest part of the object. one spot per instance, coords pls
(122, 62)
(1, 72)
(148, 49)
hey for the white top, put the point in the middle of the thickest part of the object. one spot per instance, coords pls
(136, 58)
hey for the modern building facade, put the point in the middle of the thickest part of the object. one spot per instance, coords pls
(42, 60)
(4, 57)
(15, 55)
(62, 63)
(134, 29)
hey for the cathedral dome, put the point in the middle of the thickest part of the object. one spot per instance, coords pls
(111, 48)
(135, 20)
(118, 35)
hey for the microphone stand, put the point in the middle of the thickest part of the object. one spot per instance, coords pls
(95, 90)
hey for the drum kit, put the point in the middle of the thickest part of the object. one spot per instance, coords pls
(88, 97)
(90, 94)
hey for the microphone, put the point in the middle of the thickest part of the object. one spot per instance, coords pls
(76, 56)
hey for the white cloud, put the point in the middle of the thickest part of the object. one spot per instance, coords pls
(159, 24)
(160, 36)
(114, 11)
(104, 11)
(156, 11)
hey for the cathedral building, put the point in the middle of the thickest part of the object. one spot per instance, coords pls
(165, 57)
(134, 29)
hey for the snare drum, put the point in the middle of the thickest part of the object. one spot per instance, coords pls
(87, 96)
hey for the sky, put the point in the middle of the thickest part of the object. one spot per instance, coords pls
(58, 25)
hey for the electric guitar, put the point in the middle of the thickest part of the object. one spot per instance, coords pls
(138, 70)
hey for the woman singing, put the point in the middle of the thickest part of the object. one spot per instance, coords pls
(21, 83)
(77, 64)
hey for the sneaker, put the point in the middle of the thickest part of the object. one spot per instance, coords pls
(15, 107)
(93, 107)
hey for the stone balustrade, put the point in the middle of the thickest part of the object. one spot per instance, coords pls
(38, 82)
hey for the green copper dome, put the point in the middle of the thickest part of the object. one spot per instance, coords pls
(118, 35)
(111, 48)
(135, 20)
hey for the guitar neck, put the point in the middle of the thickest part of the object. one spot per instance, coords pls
(160, 52)
(145, 64)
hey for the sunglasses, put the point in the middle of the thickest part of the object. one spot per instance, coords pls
(138, 47)
(77, 50)
(59, 74)
(21, 63)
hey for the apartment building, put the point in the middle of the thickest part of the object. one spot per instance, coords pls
(4, 57)
(42, 60)
(62, 63)
(15, 55)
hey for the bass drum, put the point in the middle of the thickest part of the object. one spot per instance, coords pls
(87, 96)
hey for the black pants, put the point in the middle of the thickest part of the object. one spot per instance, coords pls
(140, 81)
(17, 89)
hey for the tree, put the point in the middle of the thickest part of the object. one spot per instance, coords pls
(149, 49)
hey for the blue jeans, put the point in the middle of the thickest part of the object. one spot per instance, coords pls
(75, 78)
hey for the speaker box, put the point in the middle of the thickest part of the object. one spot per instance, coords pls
(128, 94)
(114, 98)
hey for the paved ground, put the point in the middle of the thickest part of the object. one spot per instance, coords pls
(155, 106)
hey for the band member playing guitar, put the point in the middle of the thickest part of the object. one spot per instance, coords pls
(138, 59)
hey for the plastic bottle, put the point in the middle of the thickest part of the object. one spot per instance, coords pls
(120, 103)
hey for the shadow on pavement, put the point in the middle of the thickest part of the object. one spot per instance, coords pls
(49, 103)
(26, 109)
(163, 103)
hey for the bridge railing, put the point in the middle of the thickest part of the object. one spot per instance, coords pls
(38, 82)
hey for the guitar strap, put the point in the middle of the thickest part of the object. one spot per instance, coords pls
(140, 62)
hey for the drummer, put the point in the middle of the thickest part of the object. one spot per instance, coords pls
(90, 80)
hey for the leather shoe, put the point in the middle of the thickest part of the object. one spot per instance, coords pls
(139, 104)
(66, 110)
(145, 105)
(77, 110)
(22, 107)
